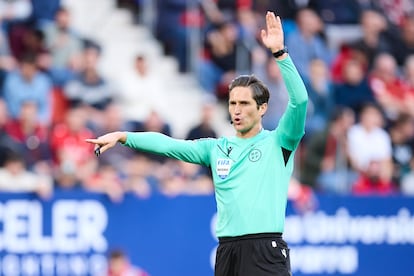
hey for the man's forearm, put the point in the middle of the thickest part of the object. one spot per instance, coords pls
(151, 142)
(293, 81)
(158, 143)
(292, 124)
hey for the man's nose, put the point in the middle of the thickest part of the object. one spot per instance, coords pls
(237, 109)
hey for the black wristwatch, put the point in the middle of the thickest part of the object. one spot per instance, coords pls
(280, 52)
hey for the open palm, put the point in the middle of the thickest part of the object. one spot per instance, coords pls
(272, 37)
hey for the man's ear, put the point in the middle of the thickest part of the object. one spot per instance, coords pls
(262, 109)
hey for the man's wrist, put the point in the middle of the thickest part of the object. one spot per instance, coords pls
(275, 49)
(280, 53)
(122, 137)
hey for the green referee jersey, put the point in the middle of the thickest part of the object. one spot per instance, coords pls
(250, 176)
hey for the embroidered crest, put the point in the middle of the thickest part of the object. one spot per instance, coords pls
(223, 166)
(255, 155)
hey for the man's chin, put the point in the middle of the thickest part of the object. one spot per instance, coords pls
(239, 128)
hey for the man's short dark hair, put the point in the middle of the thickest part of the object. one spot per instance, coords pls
(259, 89)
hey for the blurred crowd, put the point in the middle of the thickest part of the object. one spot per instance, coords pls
(356, 58)
(53, 96)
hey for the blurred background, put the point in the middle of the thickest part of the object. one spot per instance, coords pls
(73, 69)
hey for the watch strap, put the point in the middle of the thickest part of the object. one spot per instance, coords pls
(280, 52)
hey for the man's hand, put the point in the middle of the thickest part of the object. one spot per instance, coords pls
(107, 141)
(272, 37)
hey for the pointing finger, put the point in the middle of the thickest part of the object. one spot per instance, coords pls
(92, 141)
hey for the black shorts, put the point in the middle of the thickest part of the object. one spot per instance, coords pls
(253, 255)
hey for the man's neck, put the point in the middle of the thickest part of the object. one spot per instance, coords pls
(251, 133)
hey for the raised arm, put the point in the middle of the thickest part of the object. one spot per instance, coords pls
(292, 124)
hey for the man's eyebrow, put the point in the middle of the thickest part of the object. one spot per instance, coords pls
(240, 101)
(244, 101)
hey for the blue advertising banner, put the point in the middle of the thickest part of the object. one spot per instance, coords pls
(72, 233)
(353, 236)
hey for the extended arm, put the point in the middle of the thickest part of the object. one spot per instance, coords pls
(196, 151)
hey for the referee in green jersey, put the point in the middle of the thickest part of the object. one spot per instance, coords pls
(251, 170)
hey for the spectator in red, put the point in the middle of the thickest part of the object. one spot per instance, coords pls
(373, 41)
(345, 54)
(73, 158)
(371, 183)
(408, 76)
(388, 87)
(370, 152)
(31, 136)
